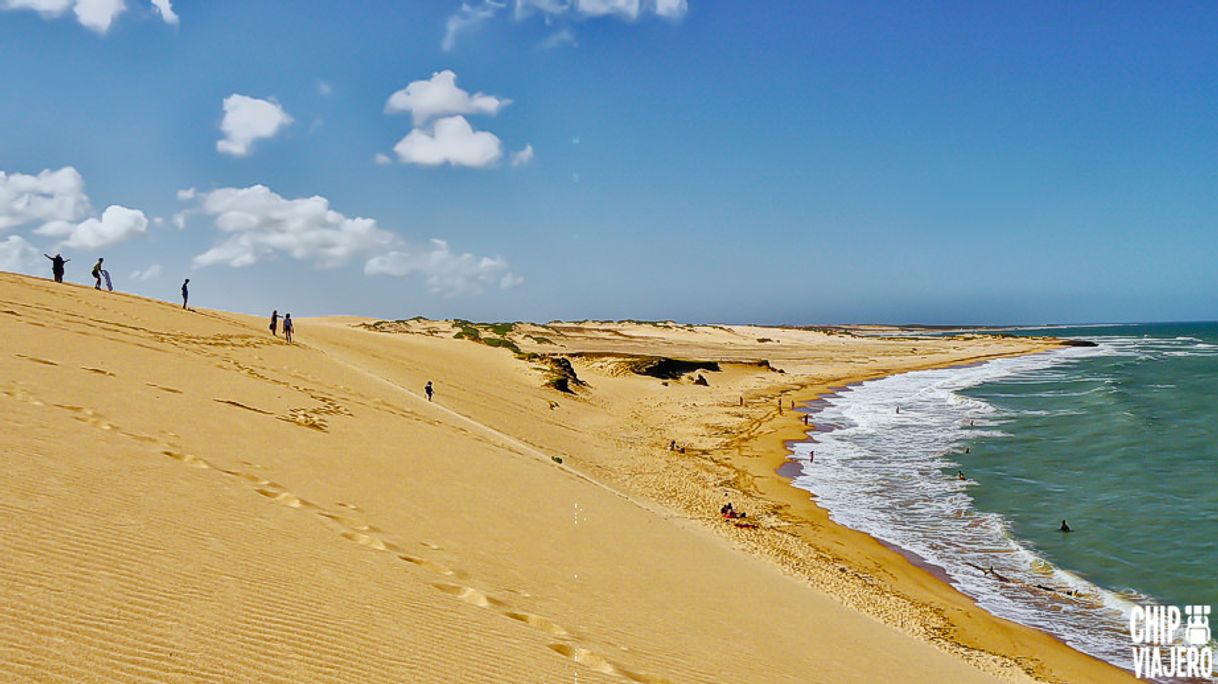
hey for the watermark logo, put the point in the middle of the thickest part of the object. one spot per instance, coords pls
(1170, 643)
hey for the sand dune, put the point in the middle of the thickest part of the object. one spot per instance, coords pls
(185, 497)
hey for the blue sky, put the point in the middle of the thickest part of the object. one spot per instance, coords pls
(779, 162)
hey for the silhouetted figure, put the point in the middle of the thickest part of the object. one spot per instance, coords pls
(1064, 527)
(780, 406)
(898, 410)
(275, 322)
(185, 292)
(960, 475)
(287, 327)
(57, 263)
(428, 390)
(97, 271)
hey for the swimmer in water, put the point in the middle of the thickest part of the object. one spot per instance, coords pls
(960, 475)
(1064, 527)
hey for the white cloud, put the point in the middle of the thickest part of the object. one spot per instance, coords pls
(165, 9)
(671, 9)
(440, 96)
(599, 8)
(97, 15)
(187, 193)
(451, 141)
(561, 37)
(466, 18)
(54, 202)
(324, 89)
(52, 198)
(259, 224)
(18, 255)
(381, 159)
(444, 271)
(626, 9)
(523, 157)
(115, 225)
(246, 120)
(153, 271)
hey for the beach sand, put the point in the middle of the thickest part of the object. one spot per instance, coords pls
(184, 497)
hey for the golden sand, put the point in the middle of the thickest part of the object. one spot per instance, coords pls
(184, 497)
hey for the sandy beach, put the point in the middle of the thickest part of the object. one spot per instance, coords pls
(185, 497)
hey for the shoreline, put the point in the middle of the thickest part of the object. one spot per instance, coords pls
(916, 578)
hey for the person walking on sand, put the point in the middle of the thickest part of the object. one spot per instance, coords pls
(429, 390)
(185, 292)
(97, 271)
(287, 327)
(275, 322)
(57, 263)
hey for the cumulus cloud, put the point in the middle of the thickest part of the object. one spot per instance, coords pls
(51, 198)
(97, 15)
(54, 204)
(16, 254)
(165, 9)
(249, 119)
(523, 157)
(466, 18)
(115, 225)
(445, 271)
(259, 224)
(451, 141)
(381, 159)
(625, 9)
(440, 96)
(153, 271)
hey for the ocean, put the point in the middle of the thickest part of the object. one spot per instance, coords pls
(1120, 440)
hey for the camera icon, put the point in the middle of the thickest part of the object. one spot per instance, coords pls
(1197, 626)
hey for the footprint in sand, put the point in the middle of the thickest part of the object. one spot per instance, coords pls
(239, 405)
(99, 371)
(538, 622)
(189, 459)
(470, 595)
(424, 563)
(35, 359)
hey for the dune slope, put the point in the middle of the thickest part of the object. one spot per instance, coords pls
(183, 496)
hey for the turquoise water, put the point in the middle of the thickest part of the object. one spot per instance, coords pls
(1120, 439)
(1124, 445)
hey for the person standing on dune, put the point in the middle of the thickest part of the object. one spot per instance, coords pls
(275, 322)
(287, 327)
(428, 389)
(57, 263)
(97, 271)
(185, 292)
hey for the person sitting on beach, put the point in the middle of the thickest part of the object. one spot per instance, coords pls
(1064, 527)
(725, 509)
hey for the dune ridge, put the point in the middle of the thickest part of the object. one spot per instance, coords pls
(185, 497)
